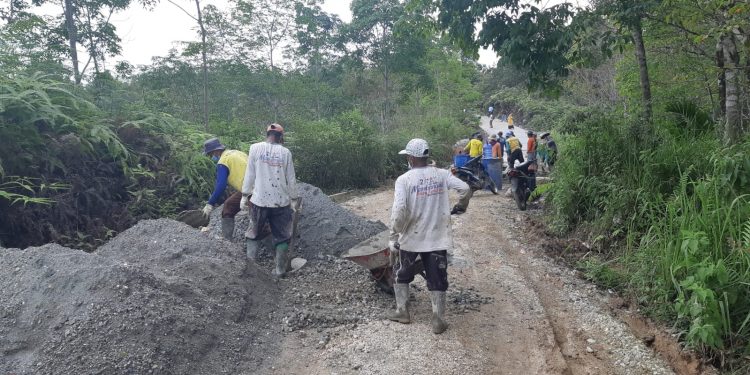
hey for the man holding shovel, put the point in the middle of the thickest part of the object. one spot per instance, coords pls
(230, 170)
(271, 185)
(421, 227)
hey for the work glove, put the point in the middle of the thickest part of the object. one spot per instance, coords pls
(207, 209)
(394, 247)
(243, 203)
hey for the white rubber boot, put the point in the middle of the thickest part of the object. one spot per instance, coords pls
(438, 310)
(401, 315)
(252, 249)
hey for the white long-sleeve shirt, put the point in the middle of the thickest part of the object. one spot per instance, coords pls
(270, 176)
(420, 218)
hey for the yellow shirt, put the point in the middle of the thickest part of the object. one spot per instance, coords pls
(236, 162)
(513, 144)
(510, 120)
(474, 147)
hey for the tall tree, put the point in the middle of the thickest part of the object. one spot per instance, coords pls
(266, 23)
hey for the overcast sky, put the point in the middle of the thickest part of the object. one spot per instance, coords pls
(146, 34)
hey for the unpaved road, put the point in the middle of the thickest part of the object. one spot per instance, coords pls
(538, 317)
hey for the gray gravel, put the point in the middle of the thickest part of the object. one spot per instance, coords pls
(159, 298)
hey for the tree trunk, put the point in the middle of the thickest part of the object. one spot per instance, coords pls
(733, 121)
(72, 37)
(640, 54)
(205, 65)
(721, 77)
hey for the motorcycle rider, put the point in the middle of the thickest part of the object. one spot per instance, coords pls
(513, 148)
(421, 227)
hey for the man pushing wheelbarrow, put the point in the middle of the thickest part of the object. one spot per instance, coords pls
(420, 231)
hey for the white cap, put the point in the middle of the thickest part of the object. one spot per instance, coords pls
(417, 147)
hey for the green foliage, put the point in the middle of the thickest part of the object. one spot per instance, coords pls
(602, 274)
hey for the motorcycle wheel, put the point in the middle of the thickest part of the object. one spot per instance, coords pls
(520, 199)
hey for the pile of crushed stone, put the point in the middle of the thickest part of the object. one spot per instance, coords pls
(325, 228)
(161, 298)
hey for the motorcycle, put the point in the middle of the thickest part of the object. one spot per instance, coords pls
(475, 176)
(523, 182)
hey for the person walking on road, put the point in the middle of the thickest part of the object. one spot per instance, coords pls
(271, 184)
(230, 170)
(513, 148)
(421, 227)
(510, 121)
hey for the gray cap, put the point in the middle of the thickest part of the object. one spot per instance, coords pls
(212, 145)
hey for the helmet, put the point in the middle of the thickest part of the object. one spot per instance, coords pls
(275, 128)
(417, 147)
(508, 134)
(212, 145)
(529, 133)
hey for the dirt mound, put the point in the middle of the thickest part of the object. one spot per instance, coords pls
(159, 298)
(325, 227)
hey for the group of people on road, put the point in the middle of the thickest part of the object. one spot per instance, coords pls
(503, 117)
(265, 183)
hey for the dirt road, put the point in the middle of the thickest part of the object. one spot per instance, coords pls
(536, 317)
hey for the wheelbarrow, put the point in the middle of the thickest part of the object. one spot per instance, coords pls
(374, 255)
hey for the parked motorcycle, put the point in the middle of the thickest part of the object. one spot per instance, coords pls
(475, 176)
(523, 182)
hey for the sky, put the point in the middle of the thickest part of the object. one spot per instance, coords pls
(149, 33)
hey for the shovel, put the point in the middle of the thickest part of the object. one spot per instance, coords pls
(194, 218)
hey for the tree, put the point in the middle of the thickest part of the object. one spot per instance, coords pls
(264, 23)
(532, 39)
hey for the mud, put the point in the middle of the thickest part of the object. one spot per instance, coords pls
(325, 228)
(161, 298)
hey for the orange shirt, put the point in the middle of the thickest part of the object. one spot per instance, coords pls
(531, 145)
(497, 151)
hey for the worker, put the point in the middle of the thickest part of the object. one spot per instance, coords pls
(421, 227)
(271, 184)
(510, 121)
(475, 146)
(531, 145)
(551, 149)
(497, 148)
(513, 148)
(230, 170)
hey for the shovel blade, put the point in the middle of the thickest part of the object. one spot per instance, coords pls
(194, 218)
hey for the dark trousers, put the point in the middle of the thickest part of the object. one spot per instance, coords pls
(232, 205)
(435, 266)
(279, 219)
(515, 155)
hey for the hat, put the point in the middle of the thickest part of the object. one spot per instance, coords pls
(212, 145)
(508, 134)
(417, 147)
(493, 137)
(530, 132)
(544, 135)
(275, 128)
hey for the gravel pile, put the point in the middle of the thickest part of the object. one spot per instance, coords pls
(159, 298)
(324, 226)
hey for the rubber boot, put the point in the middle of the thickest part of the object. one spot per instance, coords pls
(401, 315)
(227, 227)
(252, 249)
(438, 310)
(281, 262)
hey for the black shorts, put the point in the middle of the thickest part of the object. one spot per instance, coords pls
(435, 266)
(279, 218)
